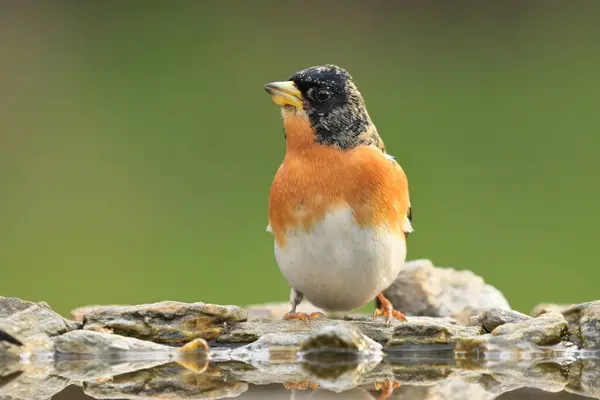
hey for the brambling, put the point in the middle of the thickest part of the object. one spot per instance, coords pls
(339, 206)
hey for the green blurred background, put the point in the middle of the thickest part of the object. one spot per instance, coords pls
(137, 144)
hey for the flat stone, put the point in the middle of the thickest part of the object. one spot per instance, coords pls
(492, 318)
(85, 342)
(422, 289)
(431, 331)
(250, 331)
(77, 314)
(166, 322)
(417, 331)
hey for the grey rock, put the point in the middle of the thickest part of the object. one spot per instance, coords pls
(250, 331)
(431, 331)
(546, 330)
(375, 329)
(584, 324)
(492, 318)
(339, 336)
(583, 319)
(422, 289)
(85, 342)
(77, 314)
(29, 321)
(543, 308)
(166, 322)
(270, 348)
(292, 347)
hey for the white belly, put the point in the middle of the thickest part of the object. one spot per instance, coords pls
(338, 265)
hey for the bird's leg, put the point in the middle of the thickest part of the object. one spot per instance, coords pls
(387, 310)
(386, 388)
(296, 298)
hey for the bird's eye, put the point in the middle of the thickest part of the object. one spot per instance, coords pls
(322, 95)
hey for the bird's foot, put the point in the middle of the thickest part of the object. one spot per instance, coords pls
(303, 316)
(303, 385)
(386, 388)
(387, 310)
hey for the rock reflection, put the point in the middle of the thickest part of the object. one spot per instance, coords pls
(170, 381)
(427, 375)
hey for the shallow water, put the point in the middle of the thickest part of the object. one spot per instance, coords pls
(430, 374)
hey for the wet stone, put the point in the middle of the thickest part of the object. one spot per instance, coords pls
(429, 356)
(166, 322)
(339, 336)
(584, 324)
(99, 343)
(431, 331)
(547, 329)
(494, 317)
(375, 329)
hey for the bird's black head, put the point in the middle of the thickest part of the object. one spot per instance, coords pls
(330, 100)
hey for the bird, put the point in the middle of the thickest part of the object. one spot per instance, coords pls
(339, 206)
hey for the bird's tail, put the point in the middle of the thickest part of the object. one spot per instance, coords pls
(5, 337)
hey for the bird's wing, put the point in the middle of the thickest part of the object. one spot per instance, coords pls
(407, 227)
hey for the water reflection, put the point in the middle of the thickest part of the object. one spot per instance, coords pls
(438, 375)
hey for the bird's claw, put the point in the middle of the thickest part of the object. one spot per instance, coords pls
(303, 316)
(386, 388)
(387, 310)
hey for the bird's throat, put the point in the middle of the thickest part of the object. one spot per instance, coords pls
(298, 131)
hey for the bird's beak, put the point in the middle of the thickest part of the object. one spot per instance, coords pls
(285, 94)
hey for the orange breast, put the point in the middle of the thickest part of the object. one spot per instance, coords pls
(315, 179)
